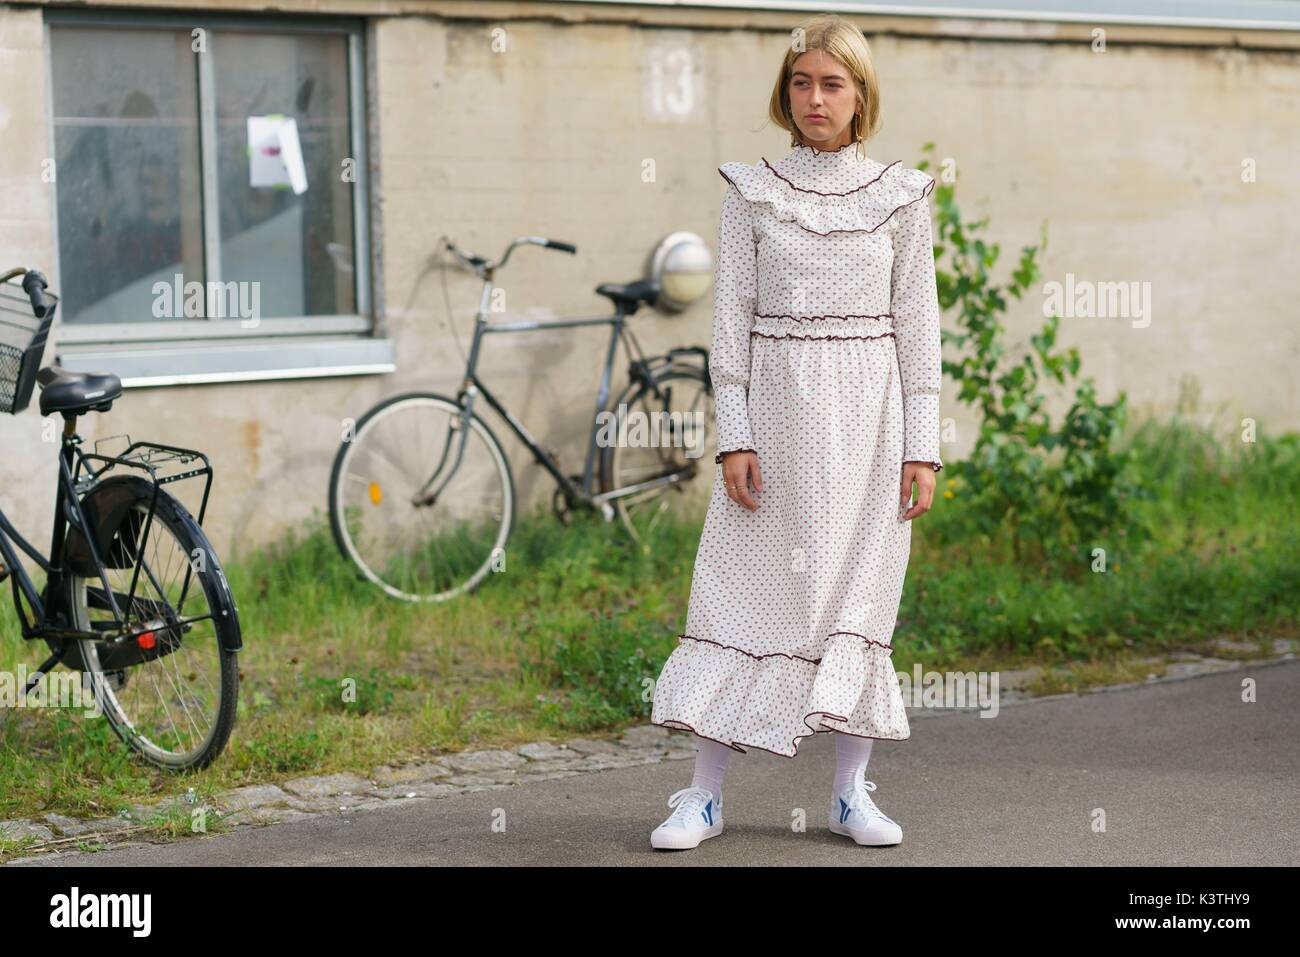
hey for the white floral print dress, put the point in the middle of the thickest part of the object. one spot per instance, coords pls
(826, 362)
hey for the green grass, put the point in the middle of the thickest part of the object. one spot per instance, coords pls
(1224, 563)
(568, 637)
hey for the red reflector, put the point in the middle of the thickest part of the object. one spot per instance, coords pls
(146, 639)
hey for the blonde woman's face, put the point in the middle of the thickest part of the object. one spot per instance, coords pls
(822, 99)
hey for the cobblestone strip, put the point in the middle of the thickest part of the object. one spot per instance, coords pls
(311, 796)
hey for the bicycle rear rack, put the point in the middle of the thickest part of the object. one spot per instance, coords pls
(163, 463)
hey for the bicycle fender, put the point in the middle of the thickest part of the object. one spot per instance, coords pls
(114, 530)
(106, 508)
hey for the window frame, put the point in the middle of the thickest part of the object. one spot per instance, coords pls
(178, 351)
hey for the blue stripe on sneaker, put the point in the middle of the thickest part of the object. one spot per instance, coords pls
(707, 813)
(844, 811)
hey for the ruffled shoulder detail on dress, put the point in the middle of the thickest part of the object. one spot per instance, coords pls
(863, 209)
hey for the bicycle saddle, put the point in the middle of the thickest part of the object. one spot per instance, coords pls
(77, 392)
(628, 296)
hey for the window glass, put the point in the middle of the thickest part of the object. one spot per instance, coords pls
(126, 148)
(296, 245)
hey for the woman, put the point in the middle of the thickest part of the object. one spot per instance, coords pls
(826, 372)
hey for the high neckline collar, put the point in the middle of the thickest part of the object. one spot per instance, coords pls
(814, 151)
(849, 151)
(833, 169)
(809, 157)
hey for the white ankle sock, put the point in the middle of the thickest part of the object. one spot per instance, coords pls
(711, 765)
(850, 751)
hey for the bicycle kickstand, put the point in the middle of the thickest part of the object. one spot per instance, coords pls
(40, 672)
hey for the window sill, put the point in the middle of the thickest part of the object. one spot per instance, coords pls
(294, 357)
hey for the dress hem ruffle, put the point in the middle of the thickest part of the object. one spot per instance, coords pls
(825, 692)
(741, 745)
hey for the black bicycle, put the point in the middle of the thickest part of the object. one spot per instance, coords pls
(134, 596)
(421, 495)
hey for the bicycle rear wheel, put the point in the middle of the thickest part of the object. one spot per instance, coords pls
(682, 403)
(170, 694)
(389, 518)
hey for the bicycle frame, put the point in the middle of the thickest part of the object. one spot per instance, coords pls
(50, 619)
(472, 386)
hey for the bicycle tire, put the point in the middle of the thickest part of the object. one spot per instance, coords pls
(338, 525)
(177, 520)
(610, 477)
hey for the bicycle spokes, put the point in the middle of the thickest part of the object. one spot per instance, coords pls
(163, 689)
(682, 407)
(421, 502)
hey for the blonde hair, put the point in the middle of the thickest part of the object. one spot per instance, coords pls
(841, 39)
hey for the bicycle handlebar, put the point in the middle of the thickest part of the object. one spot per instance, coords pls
(481, 265)
(34, 284)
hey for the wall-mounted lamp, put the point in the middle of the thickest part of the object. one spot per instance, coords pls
(683, 265)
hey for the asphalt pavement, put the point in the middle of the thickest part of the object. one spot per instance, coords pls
(1172, 773)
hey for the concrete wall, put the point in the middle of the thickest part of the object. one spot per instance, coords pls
(1132, 157)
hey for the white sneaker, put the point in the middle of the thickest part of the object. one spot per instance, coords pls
(698, 816)
(855, 815)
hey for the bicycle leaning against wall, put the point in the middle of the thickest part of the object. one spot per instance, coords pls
(421, 495)
(134, 596)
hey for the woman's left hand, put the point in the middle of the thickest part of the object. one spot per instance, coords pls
(922, 473)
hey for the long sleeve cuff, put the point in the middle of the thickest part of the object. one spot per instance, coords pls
(732, 404)
(921, 430)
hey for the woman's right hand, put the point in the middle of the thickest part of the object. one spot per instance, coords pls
(736, 469)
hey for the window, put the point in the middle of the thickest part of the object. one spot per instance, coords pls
(210, 196)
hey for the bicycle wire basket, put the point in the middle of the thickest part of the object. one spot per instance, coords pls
(22, 342)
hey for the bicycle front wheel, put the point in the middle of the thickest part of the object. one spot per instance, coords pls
(421, 506)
